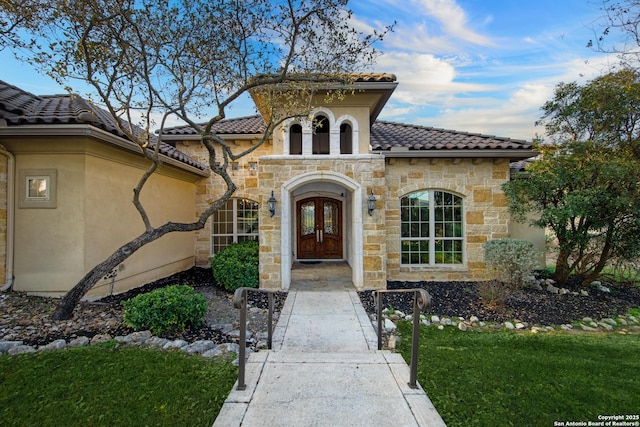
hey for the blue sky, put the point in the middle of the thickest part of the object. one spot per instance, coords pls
(482, 66)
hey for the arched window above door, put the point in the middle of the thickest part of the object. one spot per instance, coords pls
(346, 139)
(295, 139)
(321, 134)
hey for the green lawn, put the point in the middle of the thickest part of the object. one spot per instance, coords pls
(524, 379)
(98, 386)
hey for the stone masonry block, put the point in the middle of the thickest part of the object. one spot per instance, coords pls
(482, 195)
(477, 239)
(372, 263)
(476, 217)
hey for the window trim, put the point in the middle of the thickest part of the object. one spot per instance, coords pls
(432, 238)
(27, 202)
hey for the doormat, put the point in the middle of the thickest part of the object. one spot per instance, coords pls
(310, 262)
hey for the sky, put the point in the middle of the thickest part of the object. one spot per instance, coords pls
(478, 66)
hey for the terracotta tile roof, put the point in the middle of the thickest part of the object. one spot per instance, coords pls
(252, 125)
(386, 136)
(375, 77)
(19, 107)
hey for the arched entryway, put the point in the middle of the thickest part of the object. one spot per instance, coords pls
(323, 222)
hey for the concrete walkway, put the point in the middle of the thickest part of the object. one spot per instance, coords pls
(325, 370)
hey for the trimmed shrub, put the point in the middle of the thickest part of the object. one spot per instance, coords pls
(237, 265)
(167, 310)
(513, 260)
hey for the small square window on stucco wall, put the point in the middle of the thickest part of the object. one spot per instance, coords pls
(37, 188)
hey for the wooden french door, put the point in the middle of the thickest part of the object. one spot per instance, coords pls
(319, 231)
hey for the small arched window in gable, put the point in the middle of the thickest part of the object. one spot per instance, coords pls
(295, 139)
(321, 135)
(346, 139)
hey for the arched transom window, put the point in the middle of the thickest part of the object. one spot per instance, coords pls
(431, 229)
(235, 222)
(321, 136)
(346, 139)
(295, 139)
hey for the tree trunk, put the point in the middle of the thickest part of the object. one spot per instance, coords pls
(64, 310)
(602, 261)
(562, 267)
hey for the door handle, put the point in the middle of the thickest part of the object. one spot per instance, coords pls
(321, 237)
(318, 236)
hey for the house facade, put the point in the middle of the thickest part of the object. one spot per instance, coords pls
(66, 181)
(394, 201)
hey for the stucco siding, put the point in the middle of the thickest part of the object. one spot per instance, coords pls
(50, 246)
(93, 215)
(3, 218)
(111, 220)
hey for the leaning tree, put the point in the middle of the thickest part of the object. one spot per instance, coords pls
(148, 60)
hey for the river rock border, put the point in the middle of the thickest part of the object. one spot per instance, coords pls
(143, 339)
(624, 324)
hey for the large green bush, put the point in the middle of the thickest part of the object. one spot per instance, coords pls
(237, 266)
(166, 310)
(513, 260)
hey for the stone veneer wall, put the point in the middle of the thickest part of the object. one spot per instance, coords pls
(367, 170)
(477, 181)
(209, 189)
(485, 206)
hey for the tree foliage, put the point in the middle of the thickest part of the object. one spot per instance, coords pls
(585, 185)
(148, 60)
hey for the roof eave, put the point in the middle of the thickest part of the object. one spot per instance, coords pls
(385, 89)
(94, 132)
(512, 154)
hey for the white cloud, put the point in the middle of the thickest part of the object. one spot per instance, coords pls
(454, 21)
(424, 75)
(430, 26)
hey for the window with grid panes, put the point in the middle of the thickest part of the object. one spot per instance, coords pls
(235, 222)
(431, 230)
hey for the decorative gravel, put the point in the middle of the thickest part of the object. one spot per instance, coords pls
(27, 318)
(461, 299)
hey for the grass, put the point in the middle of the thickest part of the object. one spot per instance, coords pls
(101, 386)
(507, 378)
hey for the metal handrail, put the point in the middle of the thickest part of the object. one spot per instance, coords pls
(421, 301)
(240, 302)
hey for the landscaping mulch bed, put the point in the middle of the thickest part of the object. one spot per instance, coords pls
(27, 318)
(462, 299)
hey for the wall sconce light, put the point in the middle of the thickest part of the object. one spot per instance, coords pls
(271, 204)
(371, 203)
